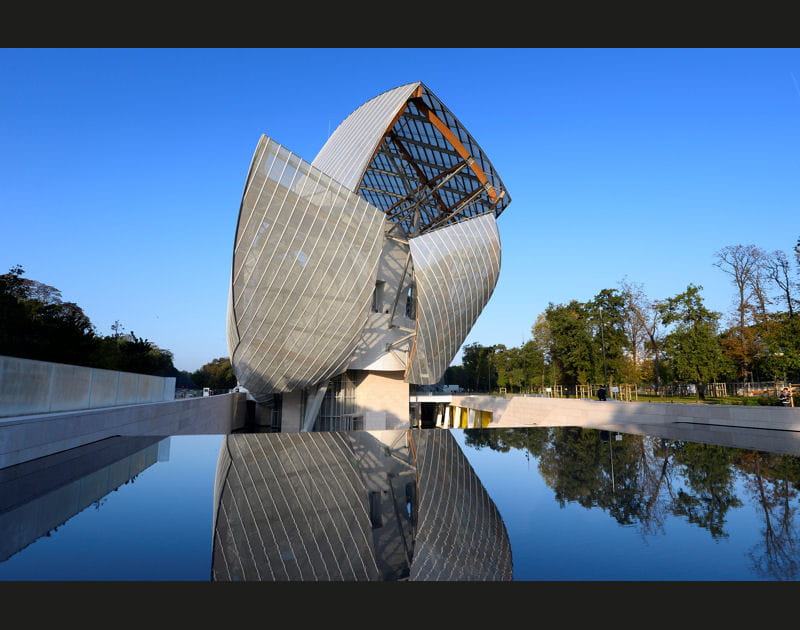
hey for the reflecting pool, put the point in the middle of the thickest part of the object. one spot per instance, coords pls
(540, 503)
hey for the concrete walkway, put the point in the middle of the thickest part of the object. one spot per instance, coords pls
(27, 437)
(525, 411)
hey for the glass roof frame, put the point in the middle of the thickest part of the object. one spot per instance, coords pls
(429, 172)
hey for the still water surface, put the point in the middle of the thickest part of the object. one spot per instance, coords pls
(577, 504)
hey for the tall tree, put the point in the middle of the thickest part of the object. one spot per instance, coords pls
(572, 347)
(607, 317)
(508, 366)
(778, 270)
(692, 346)
(476, 360)
(546, 370)
(633, 324)
(643, 319)
(534, 363)
(745, 265)
(35, 323)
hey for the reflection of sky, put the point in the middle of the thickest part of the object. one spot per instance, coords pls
(156, 527)
(159, 527)
(576, 543)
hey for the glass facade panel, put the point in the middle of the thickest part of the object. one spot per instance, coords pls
(456, 270)
(305, 262)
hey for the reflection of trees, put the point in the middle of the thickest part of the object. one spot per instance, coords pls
(594, 469)
(626, 503)
(772, 481)
(642, 480)
(532, 440)
(709, 491)
(656, 468)
(571, 465)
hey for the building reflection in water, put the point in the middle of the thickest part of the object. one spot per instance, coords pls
(353, 506)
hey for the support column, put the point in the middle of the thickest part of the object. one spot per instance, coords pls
(313, 407)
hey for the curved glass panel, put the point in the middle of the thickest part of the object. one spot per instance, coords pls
(455, 270)
(304, 266)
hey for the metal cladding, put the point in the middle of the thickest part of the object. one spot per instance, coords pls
(456, 269)
(400, 202)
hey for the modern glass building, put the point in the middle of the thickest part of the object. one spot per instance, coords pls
(363, 271)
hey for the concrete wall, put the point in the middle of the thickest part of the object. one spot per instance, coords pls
(523, 411)
(27, 437)
(384, 398)
(29, 387)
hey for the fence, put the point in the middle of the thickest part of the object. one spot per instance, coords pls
(721, 390)
(629, 392)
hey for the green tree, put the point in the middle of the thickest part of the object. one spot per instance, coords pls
(534, 363)
(692, 346)
(779, 335)
(457, 375)
(508, 365)
(540, 367)
(607, 320)
(477, 363)
(216, 374)
(129, 353)
(569, 345)
(35, 323)
(746, 266)
(587, 341)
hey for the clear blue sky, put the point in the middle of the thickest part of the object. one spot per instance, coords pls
(122, 170)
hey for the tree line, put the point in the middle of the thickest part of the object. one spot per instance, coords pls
(36, 323)
(623, 336)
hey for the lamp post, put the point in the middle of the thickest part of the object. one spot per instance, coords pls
(779, 355)
(603, 347)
